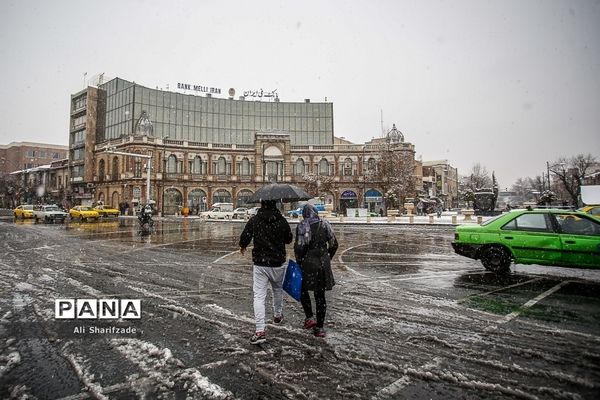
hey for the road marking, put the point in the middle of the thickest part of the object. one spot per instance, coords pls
(532, 302)
(499, 289)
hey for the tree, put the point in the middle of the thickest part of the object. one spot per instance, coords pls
(316, 184)
(570, 172)
(479, 178)
(394, 174)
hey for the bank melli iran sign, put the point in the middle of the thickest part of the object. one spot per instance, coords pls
(198, 88)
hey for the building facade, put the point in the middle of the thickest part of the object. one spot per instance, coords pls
(203, 150)
(18, 156)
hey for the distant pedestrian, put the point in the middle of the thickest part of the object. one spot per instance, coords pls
(314, 248)
(381, 212)
(270, 232)
(438, 210)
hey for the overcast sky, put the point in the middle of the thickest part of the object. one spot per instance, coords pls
(509, 84)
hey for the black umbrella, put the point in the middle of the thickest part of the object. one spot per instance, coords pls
(279, 191)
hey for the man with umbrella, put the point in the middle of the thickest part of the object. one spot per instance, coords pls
(270, 232)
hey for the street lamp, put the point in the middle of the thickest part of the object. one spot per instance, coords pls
(164, 171)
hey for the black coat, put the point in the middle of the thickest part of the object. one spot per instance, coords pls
(315, 258)
(271, 232)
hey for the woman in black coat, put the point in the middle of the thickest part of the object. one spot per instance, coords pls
(314, 248)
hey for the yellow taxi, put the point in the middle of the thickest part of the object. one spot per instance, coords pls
(106, 211)
(83, 212)
(593, 210)
(24, 211)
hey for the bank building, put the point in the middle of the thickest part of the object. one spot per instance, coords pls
(203, 149)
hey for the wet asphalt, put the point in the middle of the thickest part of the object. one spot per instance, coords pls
(407, 319)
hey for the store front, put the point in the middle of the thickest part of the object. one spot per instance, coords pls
(373, 200)
(348, 199)
(196, 201)
(173, 201)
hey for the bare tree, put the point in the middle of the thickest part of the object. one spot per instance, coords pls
(395, 175)
(479, 178)
(570, 172)
(316, 184)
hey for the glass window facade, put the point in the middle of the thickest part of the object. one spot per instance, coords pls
(212, 120)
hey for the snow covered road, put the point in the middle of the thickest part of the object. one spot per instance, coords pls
(407, 319)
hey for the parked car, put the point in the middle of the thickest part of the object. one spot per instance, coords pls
(297, 212)
(49, 213)
(240, 212)
(252, 211)
(84, 212)
(219, 211)
(538, 236)
(24, 211)
(593, 210)
(106, 211)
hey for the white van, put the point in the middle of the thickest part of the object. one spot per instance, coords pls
(219, 211)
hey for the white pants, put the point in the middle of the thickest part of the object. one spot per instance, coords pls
(262, 277)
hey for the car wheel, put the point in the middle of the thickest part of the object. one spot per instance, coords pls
(496, 259)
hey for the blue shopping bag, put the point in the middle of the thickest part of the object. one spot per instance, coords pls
(292, 283)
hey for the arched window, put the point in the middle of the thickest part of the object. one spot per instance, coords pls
(115, 169)
(348, 166)
(172, 164)
(101, 171)
(221, 166)
(300, 167)
(323, 167)
(245, 167)
(371, 165)
(221, 196)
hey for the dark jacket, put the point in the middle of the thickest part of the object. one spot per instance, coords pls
(315, 258)
(271, 232)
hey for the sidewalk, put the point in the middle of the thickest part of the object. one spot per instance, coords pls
(445, 219)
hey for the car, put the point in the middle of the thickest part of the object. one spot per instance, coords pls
(532, 236)
(593, 210)
(84, 212)
(240, 212)
(106, 211)
(252, 211)
(295, 213)
(219, 211)
(49, 213)
(24, 211)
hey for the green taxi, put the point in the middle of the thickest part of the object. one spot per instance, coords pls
(532, 236)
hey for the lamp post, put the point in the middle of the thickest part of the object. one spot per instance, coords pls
(364, 177)
(164, 171)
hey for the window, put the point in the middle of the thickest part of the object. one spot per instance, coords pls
(573, 225)
(173, 165)
(137, 168)
(115, 169)
(529, 222)
(347, 167)
(101, 170)
(371, 165)
(221, 166)
(245, 167)
(323, 167)
(300, 167)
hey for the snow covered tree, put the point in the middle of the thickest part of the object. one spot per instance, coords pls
(316, 185)
(394, 174)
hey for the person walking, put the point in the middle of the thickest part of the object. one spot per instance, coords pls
(314, 248)
(270, 232)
